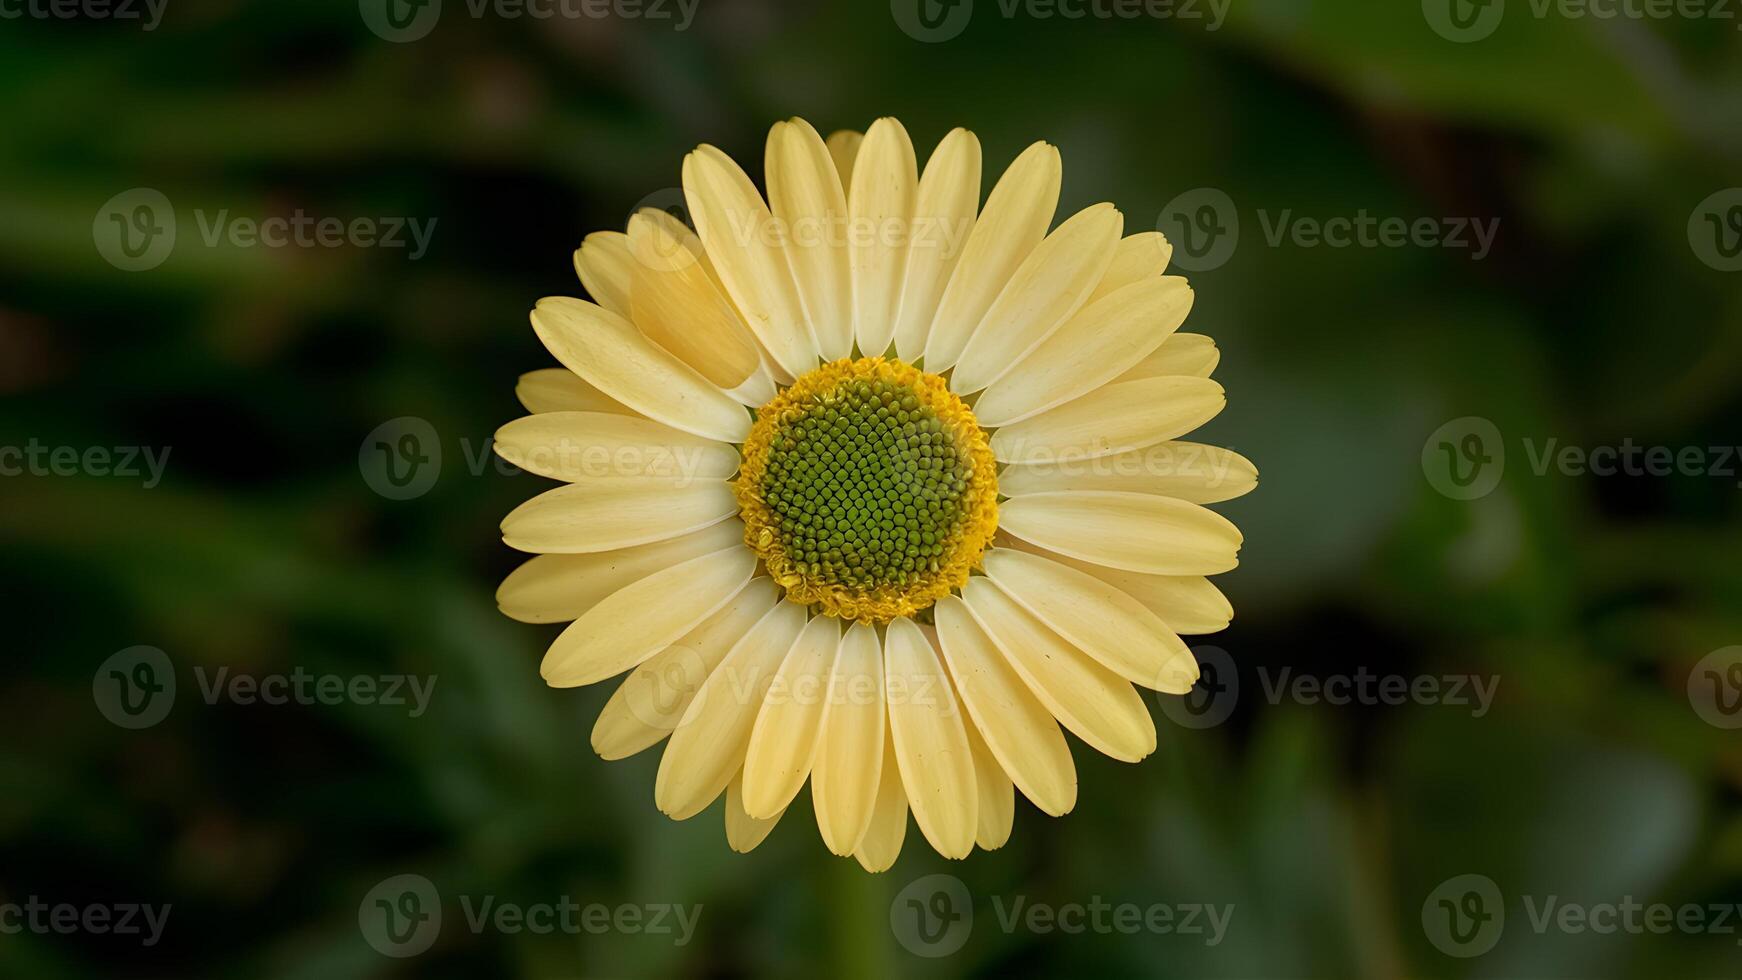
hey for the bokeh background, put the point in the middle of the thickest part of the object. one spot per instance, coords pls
(1599, 317)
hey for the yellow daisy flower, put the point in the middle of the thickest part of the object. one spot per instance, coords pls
(866, 484)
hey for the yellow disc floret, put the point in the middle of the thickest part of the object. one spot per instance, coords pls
(868, 489)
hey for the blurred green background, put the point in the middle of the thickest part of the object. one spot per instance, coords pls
(1598, 316)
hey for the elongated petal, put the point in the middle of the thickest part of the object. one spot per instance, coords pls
(1139, 257)
(614, 357)
(881, 205)
(997, 807)
(844, 149)
(1103, 622)
(943, 216)
(562, 390)
(1187, 470)
(1120, 417)
(1049, 286)
(607, 514)
(1015, 219)
(743, 831)
(676, 304)
(881, 844)
(1097, 345)
(849, 759)
(936, 767)
(1188, 604)
(809, 206)
(652, 699)
(707, 749)
(641, 619)
(1097, 705)
(602, 263)
(1137, 532)
(741, 238)
(574, 446)
(783, 742)
(559, 588)
(1018, 730)
(1190, 354)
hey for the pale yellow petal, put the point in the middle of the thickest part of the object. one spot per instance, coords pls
(574, 446)
(881, 204)
(643, 618)
(1141, 256)
(1015, 219)
(881, 844)
(783, 742)
(1018, 730)
(602, 263)
(675, 303)
(1049, 286)
(1187, 470)
(1190, 354)
(1137, 532)
(930, 746)
(809, 206)
(849, 758)
(707, 749)
(844, 149)
(741, 237)
(612, 355)
(653, 697)
(743, 831)
(1188, 604)
(943, 215)
(1120, 417)
(605, 515)
(1092, 348)
(997, 807)
(562, 390)
(559, 588)
(1097, 705)
(1096, 618)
